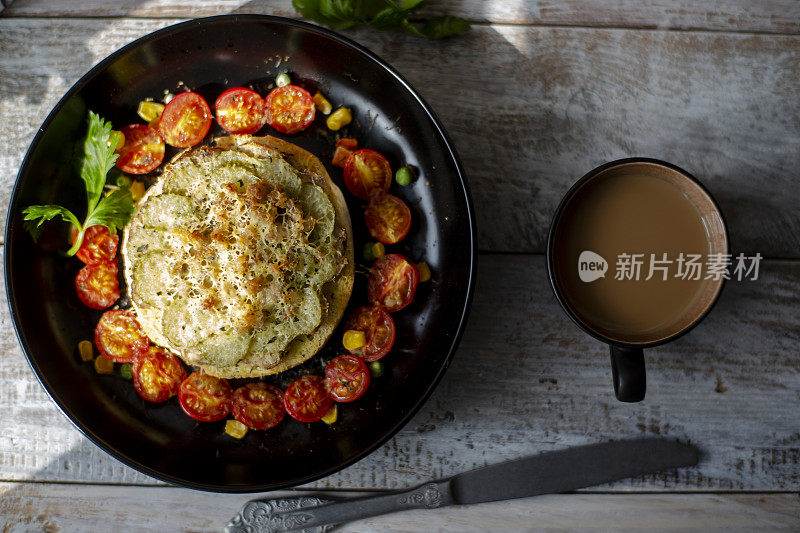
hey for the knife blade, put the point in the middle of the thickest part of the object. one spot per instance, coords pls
(546, 473)
(571, 469)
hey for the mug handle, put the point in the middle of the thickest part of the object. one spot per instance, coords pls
(627, 371)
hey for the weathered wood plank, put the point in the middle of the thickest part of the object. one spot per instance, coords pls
(769, 15)
(526, 380)
(531, 110)
(28, 506)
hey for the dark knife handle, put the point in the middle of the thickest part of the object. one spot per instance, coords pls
(311, 514)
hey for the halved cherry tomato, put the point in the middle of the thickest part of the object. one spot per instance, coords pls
(388, 218)
(289, 109)
(205, 398)
(306, 399)
(185, 120)
(378, 328)
(344, 147)
(346, 378)
(240, 110)
(366, 172)
(157, 374)
(392, 282)
(97, 285)
(98, 245)
(119, 336)
(258, 405)
(143, 150)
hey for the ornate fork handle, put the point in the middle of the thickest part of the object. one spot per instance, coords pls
(315, 515)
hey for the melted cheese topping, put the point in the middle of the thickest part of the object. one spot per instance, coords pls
(227, 256)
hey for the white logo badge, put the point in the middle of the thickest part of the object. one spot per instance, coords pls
(591, 266)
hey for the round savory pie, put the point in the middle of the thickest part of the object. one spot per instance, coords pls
(240, 258)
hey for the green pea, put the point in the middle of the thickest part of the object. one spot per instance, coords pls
(376, 369)
(126, 371)
(282, 80)
(123, 181)
(404, 175)
(369, 252)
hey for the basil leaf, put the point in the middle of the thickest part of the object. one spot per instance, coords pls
(388, 19)
(408, 5)
(379, 14)
(446, 26)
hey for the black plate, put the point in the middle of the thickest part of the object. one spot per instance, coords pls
(209, 55)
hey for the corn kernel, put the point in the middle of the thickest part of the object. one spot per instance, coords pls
(103, 365)
(424, 272)
(331, 416)
(149, 111)
(322, 103)
(235, 429)
(353, 339)
(117, 140)
(137, 190)
(86, 351)
(339, 118)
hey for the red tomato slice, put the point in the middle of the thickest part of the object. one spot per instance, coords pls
(240, 110)
(157, 374)
(365, 172)
(97, 285)
(119, 336)
(258, 405)
(344, 147)
(289, 109)
(143, 150)
(388, 218)
(392, 282)
(98, 245)
(346, 378)
(205, 398)
(185, 120)
(306, 399)
(378, 328)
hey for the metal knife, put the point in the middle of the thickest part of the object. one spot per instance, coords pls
(546, 473)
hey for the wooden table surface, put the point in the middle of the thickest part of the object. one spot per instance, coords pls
(536, 94)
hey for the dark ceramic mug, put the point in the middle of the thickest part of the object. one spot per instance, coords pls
(627, 358)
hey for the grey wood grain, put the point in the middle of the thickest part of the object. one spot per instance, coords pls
(74, 508)
(530, 110)
(766, 15)
(526, 380)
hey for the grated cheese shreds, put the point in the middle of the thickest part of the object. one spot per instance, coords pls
(228, 256)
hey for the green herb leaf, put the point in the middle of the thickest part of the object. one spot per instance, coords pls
(114, 211)
(442, 27)
(380, 14)
(98, 158)
(313, 9)
(388, 18)
(410, 4)
(344, 11)
(42, 213)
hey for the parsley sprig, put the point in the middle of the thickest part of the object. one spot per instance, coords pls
(112, 211)
(380, 14)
